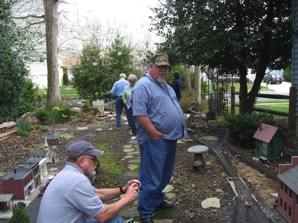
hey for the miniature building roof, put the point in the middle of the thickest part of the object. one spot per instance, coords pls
(290, 178)
(32, 161)
(18, 175)
(38, 153)
(52, 137)
(265, 132)
(5, 197)
(41, 153)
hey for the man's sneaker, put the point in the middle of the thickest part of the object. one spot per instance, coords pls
(133, 137)
(165, 206)
(118, 128)
(146, 220)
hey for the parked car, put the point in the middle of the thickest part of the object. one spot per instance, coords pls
(273, 78)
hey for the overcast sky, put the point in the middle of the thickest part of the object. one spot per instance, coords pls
(131, 14)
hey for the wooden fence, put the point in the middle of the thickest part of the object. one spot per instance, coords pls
(292, 106)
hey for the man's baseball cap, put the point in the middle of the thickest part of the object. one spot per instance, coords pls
(81, 148)
(160, 59)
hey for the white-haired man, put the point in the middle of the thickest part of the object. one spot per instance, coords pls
(117, 91)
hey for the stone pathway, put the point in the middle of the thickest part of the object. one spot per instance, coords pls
(133, 159)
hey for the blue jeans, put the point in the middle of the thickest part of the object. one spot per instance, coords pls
(157, 164)
(131, 121)
(117, 219)
(119, 108)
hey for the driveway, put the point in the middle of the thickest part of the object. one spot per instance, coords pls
(283, 88)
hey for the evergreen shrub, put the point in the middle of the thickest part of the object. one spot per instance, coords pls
(242, 127)
(43, 115)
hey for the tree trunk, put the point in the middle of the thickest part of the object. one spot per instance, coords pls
(247, 100)
(187, 77)
(197, 84)
(51, 21)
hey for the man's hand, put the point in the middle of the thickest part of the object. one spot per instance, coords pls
(133, 182)
(131, 189)
(146, 123)
(156, 135)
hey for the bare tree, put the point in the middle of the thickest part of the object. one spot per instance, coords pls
(51, 21)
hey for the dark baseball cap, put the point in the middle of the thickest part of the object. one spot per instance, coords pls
(160, 59)
(81, 148)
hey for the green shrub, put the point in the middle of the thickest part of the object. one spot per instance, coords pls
(19, 215)
(33, 97)
(65, 79)
(43, 115)
(24, 128)
(242, 127)
(24, 125)
(87, 106)
(42, 128)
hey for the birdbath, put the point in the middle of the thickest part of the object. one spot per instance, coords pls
(198, 152)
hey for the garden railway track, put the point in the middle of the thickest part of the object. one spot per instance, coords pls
(248, 208)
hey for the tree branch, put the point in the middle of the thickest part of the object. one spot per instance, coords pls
(29, 16)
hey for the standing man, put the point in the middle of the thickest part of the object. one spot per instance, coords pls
(117, 91)
(132, 79)
(160, 123)
(177, 85)
(71, 198)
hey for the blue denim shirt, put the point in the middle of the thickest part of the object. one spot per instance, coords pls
(160, 104)
(118, 86)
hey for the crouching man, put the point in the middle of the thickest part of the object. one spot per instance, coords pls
(70, 197)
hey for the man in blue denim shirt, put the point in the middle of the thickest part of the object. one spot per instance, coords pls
(117, 91)
(160, 123)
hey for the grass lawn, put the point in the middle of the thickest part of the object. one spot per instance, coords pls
(249, 86)
(282, 107)
(68, 91)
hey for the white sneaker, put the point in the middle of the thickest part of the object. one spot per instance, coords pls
(133, 137)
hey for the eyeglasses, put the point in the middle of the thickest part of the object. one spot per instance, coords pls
(92, 158)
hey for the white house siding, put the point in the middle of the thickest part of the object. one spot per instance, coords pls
(38, 73)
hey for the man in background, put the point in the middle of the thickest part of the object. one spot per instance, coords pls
(177, 85)
(132, 79)
(117, 91)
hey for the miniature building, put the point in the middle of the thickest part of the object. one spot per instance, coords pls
(269, 141)
(48, 154)
(52, 139)
(288, 190)
(6, 202)
(20, 183)
(22, 180)
(7, 126)
(98, 107)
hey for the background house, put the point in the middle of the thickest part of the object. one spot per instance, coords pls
(38, 72)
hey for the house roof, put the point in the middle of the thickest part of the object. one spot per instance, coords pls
(290, 178)
(265, 132)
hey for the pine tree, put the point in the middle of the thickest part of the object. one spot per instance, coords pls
(19, 215)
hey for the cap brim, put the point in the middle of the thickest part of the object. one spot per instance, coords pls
(162, 64)
(96, 152)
